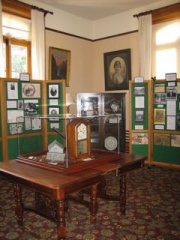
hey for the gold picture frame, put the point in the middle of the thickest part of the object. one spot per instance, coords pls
(59, 68)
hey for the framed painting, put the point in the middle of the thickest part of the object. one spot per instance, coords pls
(117, 69)
(59, 68)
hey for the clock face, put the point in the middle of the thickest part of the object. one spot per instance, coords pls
(110, 143)
(82, 131)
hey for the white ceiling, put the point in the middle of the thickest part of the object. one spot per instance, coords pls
(96, 9)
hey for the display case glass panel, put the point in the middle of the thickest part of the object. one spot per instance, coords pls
(106, 113)
(62, 145)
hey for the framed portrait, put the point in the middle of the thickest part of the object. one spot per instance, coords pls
(53, 112)
(31, 90)
(59, 67)
(139, 116)
(117, 69)
(53, 91)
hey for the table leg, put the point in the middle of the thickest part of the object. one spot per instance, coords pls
(19, 207)
(61, 226)
(93, 205)
(122, 184)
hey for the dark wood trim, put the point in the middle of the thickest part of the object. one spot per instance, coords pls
(21, 9)
(87, 39)
(117, 35)
(16, 8)
(163, 14)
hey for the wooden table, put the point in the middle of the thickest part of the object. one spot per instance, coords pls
(59, 186)
(50, 183)
(125, 164)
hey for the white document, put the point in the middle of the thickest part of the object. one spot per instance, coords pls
(171, 122)
(171, 107)
(12, 115)
(139, 102)
(11, 104)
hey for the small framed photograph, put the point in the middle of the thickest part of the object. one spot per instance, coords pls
(159, 116)
(139, 90)
(171, 76)
(160, 98)
(31, 90)
(139, 116)
(20, 104)
(53, 112)
(53, 91)
(25, 77)
(171, 93)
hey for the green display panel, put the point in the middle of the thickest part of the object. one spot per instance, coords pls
(140, 100)
(140, 149)
(55, 106)
(51, 138)
(166, 154)
(24, 145)
(24, 99)
(166, 122)
(166, 102)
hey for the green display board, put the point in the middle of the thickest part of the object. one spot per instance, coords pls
(26, 110)
(24, 145)
(166, 122)
(139, 111)
(55, 112)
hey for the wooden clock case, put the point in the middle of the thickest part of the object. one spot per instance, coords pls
(73, 143)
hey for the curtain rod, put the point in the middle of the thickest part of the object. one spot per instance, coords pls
(143, 14)
(37, 8)
(151, 11)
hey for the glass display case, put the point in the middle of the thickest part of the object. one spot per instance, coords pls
(106, 113)
(64, 142)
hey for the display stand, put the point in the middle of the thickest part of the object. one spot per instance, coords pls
(26, 100)
(140, 120)
(155, 121)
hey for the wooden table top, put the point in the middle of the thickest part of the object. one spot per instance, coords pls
(45, 178)
(54, 181)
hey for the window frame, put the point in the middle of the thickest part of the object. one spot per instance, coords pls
(22, 10)
(13, 41)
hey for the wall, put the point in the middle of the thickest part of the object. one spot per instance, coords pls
(87, 66)
(87, 62)
(119, 23)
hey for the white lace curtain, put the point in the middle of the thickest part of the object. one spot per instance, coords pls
(145, 45)
(38, 45)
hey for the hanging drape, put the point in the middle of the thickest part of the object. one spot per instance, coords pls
(145, 48)
(38, 45)
(1, 45)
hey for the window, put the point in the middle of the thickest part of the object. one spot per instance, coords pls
(166, 48)
(16, 39)
(16, 57)
(166, 41)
